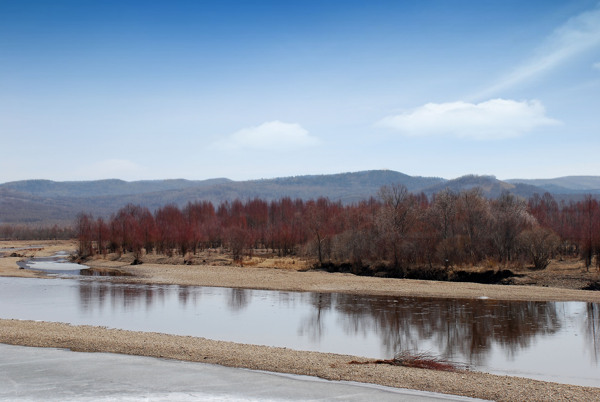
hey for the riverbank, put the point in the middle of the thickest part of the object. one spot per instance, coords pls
(323, 365)
(320, 281)
(560, 282)
(14, 251)
(294, 275)
(291, 278)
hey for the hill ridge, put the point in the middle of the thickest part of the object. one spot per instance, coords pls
(47, 202)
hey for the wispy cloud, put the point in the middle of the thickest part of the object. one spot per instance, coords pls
(596, 65)
(576, 36)
(493, 119)
(272, 135)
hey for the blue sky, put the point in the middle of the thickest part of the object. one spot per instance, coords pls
(259, 89)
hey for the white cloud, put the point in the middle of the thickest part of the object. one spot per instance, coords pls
(596, 65)
(272, 135)
(576, 36)
(493, 119)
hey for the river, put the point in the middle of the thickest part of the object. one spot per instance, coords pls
(554, 341)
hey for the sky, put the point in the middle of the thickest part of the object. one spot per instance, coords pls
(142, 90)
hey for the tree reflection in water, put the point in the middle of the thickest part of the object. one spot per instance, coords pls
(95, 295)
(592, 330)
(238, 299)
(458, 327)
(314, 325)
(455, 329)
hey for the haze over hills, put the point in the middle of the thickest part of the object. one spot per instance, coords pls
(565, 185)
(42, 202)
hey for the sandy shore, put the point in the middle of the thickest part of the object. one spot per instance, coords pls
(329, 366)
(315, 281)
(319, 281)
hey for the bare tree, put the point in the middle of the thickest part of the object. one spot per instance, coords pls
(84, 229)
(540, 244)
(396, 217)
(443, 215)
(474, 217)
(319, 216)
(510, 217)
(589, 223)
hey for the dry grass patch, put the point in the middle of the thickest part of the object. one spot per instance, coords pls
(568, 273)
(291, 263)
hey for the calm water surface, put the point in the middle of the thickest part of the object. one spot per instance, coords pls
(556, 341)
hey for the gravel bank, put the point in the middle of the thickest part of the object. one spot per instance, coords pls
(324, 365)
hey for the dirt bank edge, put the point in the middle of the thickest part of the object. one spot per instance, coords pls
(321, 281)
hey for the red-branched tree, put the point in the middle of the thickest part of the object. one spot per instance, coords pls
(85, 234)
(399, 229)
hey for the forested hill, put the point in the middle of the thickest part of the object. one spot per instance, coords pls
(42, 202)
(111, 187)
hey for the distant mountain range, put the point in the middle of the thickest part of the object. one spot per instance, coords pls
(42, 202)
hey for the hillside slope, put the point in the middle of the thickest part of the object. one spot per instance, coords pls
(565, 185)
(42, 202)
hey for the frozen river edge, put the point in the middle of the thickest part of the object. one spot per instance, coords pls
(323, 365)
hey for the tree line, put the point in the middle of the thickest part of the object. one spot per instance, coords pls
(396, 229)
(31, 232)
